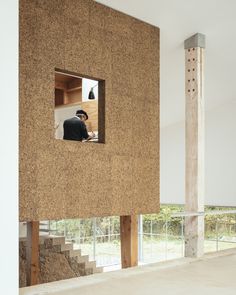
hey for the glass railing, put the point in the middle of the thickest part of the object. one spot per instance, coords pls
(220, 230)
(97, 237)
(161, 236)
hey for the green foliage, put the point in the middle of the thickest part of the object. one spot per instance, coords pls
(220, 225)
(108, 228)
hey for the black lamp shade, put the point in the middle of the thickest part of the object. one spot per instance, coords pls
(91, 94)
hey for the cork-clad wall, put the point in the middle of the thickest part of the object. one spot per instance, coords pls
(66, 179)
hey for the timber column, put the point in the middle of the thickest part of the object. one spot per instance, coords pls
(32, 253)
(195, 144)
(129, 240)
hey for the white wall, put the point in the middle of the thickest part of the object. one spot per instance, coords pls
(9, 188)
(87, 84)
(220, 159)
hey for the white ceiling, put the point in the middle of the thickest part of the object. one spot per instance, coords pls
(178, 20)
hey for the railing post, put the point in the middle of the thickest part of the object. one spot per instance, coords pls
(182, 234)
(65, 228)
(79, 234)
(235, 225)
(166, 237)
(94, 238)
(151, 238)
(49, 227)
(140, 237)
(217, 235)
(109, 229)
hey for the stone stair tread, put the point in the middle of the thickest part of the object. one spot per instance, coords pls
(41, 239)
(89, 271)
(67, 246)
(75, 253)
(98, 269)
(83, 258)
(58, 240)
(91, 264)
(88, 263)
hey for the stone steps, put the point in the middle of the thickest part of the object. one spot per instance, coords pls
(67, 249)
(75, 253)
(60, 245)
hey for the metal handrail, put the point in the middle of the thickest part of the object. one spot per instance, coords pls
(220, 212)
(186, 214)
(189, 214)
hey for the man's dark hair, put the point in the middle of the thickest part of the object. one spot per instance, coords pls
(81, 112)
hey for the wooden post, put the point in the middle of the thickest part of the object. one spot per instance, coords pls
(32, 253)
(194, 140)
(129, 240)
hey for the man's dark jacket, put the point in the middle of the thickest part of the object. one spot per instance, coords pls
(75, 129)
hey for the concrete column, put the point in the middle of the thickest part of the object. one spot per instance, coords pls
(194, 140)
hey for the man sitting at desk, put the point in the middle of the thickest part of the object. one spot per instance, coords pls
(75, 128)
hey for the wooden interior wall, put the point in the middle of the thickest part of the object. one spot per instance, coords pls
(91, 107)
(73, 96)
(121, 176)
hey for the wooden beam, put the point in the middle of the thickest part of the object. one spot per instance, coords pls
(74, 89)
(194, 139)
(60, 85)
(32, 253)
(101, 111)
(129, 240)
(74, 84)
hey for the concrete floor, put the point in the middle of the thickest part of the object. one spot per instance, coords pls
(212, 274)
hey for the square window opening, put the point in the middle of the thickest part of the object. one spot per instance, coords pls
(79, 111)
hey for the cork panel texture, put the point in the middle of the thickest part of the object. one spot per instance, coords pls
(65, 179)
